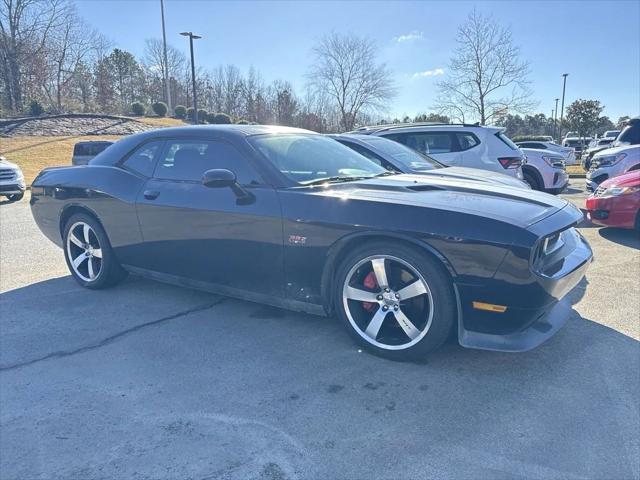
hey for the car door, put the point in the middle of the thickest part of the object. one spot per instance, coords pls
(211, 235)
(443, 146)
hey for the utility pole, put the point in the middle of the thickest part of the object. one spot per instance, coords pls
(167, 86)
(193, 37)
(564, 87)
(555, 118)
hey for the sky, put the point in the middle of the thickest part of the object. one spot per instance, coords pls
(596, 42)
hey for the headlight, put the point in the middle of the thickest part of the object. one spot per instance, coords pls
(609, 160)
(615, 191)
(556, 162)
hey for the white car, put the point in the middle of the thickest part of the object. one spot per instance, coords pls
(457, 145)
(612, 162)
(568, 153)
(12, 183)
(611, 134)
(545, 170)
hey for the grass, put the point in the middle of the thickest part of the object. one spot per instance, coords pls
(575, 170)
(34, 153)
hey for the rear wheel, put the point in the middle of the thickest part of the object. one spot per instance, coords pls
(89, 255)
(395, 301)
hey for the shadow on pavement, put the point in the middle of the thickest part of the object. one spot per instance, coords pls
(233, 390)
(628, 238)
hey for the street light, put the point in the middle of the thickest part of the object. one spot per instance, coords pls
(193, 37)
(165, 73)
(564, 86)
(555, 117)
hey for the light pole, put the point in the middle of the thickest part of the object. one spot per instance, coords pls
(166, 64)
(555, 117)
(193, 37)
(564, 87)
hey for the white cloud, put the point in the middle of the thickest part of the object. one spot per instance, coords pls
(429, 73)
(408, 37)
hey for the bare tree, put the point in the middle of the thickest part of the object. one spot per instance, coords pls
(486, 77)
(154, 64)
(345, 69)
(25, 28)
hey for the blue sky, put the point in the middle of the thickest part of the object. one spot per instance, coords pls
(596, 42)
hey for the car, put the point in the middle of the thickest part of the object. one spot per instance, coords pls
(83, 152)
(630, 134)
(596, 145)
(293, 219)
(577, 143)
(457, 145)
(398, 158)
(616, 202)
(612, 162)
(613, 134)
(568, 153)
(12, 184)
(545, 170)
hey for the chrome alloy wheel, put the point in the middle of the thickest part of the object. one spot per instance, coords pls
(84, 251)
(387, 302)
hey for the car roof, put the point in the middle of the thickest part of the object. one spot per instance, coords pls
(373, 129)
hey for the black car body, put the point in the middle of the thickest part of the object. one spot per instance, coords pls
(509, 255)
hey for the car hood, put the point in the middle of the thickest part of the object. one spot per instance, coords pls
(516, 206)
(631, 179)
(473, 174)
(7, 164)
(616, 150)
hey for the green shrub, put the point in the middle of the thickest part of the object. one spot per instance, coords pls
(180, 111)
(222, 119)
(35, 108)
(211, 117)
(202, 115)
(529, 138)
(242, 121)
(191, 114)
(137, 108)
(160, 109)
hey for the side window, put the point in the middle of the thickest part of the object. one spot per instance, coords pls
(142, 160)
(429, 142)
(467, 140)
(187, 160)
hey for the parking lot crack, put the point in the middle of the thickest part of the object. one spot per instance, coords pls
(112, 338)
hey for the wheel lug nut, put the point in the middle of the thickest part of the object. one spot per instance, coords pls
(379, 297)
(385, 308)
(397, 295)
(395, 307)
(387, 290)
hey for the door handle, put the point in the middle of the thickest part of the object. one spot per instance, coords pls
(151, 194)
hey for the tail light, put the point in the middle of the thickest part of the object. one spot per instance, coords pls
(510, 162)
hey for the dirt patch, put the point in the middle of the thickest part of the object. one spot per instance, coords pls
(72, 125)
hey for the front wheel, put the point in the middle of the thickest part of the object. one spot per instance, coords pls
(89, 255)
(395, 300)
(15, 197)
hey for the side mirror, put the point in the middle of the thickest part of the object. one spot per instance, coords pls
(219, 178)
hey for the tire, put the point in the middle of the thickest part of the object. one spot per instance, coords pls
(88, 253)
(16, 197)
(396, 323)
(531, 180)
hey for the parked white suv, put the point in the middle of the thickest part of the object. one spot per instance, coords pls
(457, 145)
(12, 183)
(611, 163)
(545, 170)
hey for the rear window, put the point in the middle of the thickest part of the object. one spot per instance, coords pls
(82, 149)
(507, 141)
(630, 134)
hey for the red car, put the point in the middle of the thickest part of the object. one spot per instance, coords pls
(616, 202)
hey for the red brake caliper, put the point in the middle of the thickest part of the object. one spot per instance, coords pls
(371, 283)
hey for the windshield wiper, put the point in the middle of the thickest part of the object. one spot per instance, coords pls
(336, 179)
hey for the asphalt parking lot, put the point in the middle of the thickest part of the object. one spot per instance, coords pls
(154, 381)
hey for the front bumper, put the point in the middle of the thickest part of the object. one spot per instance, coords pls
(521, 329)
(611, 212)
(12, 188)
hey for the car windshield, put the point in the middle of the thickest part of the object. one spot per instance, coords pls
(407, 156)
(312, 158)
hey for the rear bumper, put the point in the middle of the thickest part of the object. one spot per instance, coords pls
(520, 329)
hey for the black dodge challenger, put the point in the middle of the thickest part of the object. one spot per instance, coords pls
(293, 219)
